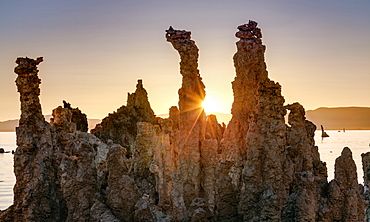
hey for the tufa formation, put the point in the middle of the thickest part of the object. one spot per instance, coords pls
(188, 167)
(79, 118)
(120, 126)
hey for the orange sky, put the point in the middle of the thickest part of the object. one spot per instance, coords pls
(94, 51)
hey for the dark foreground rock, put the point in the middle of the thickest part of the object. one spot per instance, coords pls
(135, 167)
(79, 118)
(120, 126)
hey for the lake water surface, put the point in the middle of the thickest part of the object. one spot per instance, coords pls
(7, 178)
(330, 148)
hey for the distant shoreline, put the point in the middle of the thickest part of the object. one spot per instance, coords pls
(335, 118)
(3, 131)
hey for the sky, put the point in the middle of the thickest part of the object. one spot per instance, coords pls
(95, 50)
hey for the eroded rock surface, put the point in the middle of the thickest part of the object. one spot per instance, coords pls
(79, 118)
(120, 126)
(366, 194)
(186, 167)
(191, 118)
(60, 171)
(344, 194)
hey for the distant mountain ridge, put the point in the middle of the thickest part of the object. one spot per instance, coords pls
(338, 118)
(10, 125)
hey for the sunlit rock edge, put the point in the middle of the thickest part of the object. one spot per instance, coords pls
(187, 167)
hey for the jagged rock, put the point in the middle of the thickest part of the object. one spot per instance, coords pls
(60, 172)
(249, 31)
(301, 147)
(226, 194)
(143, 158)
(264, 188)
(142, 211)
(191, 94)
(214, 130)
(306, 172)
(28, 86)
(199, 211)
(79, 118)
(122, 193)
(35, 193)
(100, 212)
(162, 156)
(186, 167)
(174, 115)
(344, 200)
(366, 194)
(120, 126)
(366, 167)
(62, 118)
(177, 34)
(191, 117)
(323, 133)
(250, 70)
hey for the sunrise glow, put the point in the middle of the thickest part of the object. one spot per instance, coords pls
(211, 105)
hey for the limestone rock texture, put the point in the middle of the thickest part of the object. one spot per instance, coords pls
(366, 194)
(120, 126)
(187, 167)
(79, 118)
(59, 170)
(344, 194)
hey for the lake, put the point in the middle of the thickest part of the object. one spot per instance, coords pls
(7, 178)
(330, 148)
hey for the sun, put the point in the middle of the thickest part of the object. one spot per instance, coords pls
(210, 105)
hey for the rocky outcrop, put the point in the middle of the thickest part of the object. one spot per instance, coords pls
(366, 194)
(60, 172)
(120, 126)
(250, 70)
(267, 154)
(214, 130)
(366, 167)
(122, 190)
(306, 172)
(344, 201)
(79, 118)
(191, 117)
(186, 167)
(323, 133)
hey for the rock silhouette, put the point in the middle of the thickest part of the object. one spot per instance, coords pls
(120, 126)
(323, 133)
(79, 118)
(135, 167)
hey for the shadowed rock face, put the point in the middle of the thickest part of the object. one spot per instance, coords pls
(79, 118)
(250, 70)
(191, 93)
(366, 168)
(344, 201)
(33, 166)
(186, 167)
(28, 87)
(120, 126)
(61, 172)
(187, 140)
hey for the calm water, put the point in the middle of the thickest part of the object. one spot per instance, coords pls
(7, 178)
(330, 148)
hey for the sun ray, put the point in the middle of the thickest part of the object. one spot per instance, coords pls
(210, 105)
